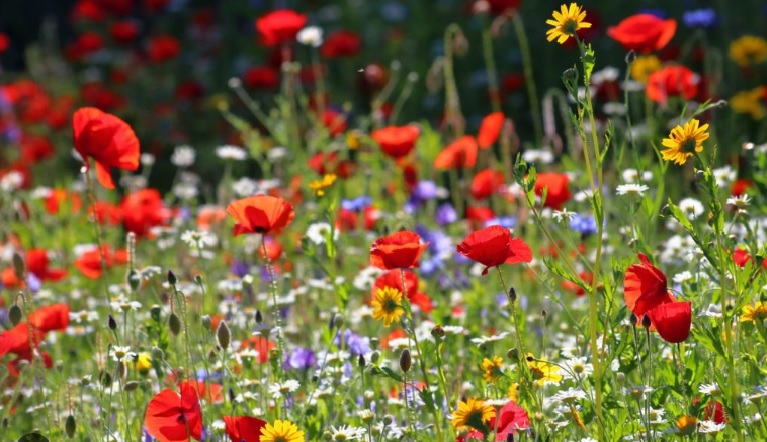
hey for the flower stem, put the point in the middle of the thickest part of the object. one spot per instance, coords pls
(527, 63)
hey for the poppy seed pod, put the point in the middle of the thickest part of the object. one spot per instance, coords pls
(223, 335)
(405, 360)
(14, 314)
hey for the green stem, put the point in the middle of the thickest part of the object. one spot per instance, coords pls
(730, 351)
(527, 63)
(492, 74)
(453, 115)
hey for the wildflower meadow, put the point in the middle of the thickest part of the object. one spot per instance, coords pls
(447, 220)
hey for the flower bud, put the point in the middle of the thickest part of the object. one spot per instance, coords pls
(134, 280)
(18, 266)
(361, 361)
(646, 322)
(224, 335)
(374, 357)
(387, 419)
(157, 353)
(512, 295)
(437, 332)
(174, 324)
(405, 360)
(14, 314)
(259, 317)
(112, 323)
(206, 321)
(172, 280)
(338, 321)
(70, 426)
(633, 320)
(130, 386)
(513, 354)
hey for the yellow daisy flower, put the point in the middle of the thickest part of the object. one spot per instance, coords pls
(492, 368)
(686, 425)
(683, 141)
(472, 415)
(749, 102)
(543, 371)
(143, 362)
(387, 305)
(748, 50)
(643, 66)
(281, 431)
(319, 186)
(566, 23)
(757, 312)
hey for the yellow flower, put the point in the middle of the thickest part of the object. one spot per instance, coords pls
(749, 102)
(543, 371)
(566, 23)
(144, 362)
(748, 50)
(387, 305)
(756, 313)
(319, 186)
(281, 431)
(353, 140)
(472, 415)
(643, 66)
(683, 141)
(686, 425)
(493, 368)
(514, 392)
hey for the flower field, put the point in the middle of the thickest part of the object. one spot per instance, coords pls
(383, 221)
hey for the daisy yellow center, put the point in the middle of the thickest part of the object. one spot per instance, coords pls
(472, 414)
(684, 141)
(387, 305)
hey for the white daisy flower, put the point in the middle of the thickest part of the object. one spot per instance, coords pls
(183, 156)
(229, 152)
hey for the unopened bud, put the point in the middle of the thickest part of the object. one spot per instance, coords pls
(513, 354)
(224, 335)
(437, 332)
(70, 426)
(14, 314)
(338, 321)
(157, 354)
(112, 323)
(405, 360)
(633, 320)
(646, 322)
(174, 324)
(18, 266)
(206, 322)
(361, 361)
(387, 419)
(130, 386)
(512, 295)
(172, 280)
(134, 280)
(259, 317)
(374, 357)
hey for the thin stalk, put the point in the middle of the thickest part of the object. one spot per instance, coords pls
(492, 73)
(276, 312)
(728, 343)
(527, 63)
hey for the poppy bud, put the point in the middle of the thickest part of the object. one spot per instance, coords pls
(570, 75)
(70, 426)
(405, 361)
(646, 322)
(512, 295)
(121, 369)
(224, 335)
(543, 313)
(338, 321)
(198, 279)
(172, 280)
(387, 419)
(259, 317)
(174, 324)
(529, 359)
(361, 361)
(134, 280)
(206, 322)
(620, 377)
(633, 320)
(699, 174)
(665, 210)
(437, 332)
(510, 437)
(105, 378)
(111, 323)
(630, 57)
(130, 386)
(14, 314)
(18, 266)
(155, 312)
(231, 394)
(374, 357)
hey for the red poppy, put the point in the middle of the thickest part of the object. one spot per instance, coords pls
(124, 32)
(279, 27)
(243, 428)
(18, 339)
(586, 277)
(511, 418)
(470, 436)
(261, 77)
(400, 250)
(396, 141)
(348, 220)
(208, 216)
(741, 186)
(324, 163)
(493, 246)
(273, 249)
(335, 122)
(485, 183)
(88, 43)
(373, 78)
(714, 409)
(672, 320)
(155, 6)
(172, 417)
(341, 44)
(262, 346)
(4, 42)
(460, 154)
(106, 213)
(50, 318)
(644, 287)
(108, 140)
(393, 279)
(478, 216)
(143, 210)
(189, 90)
(99, 96)
(212, 393)
(643, 32)
(499, 7)
(35, 148)
(89, 263)
(62, 197)
(163, 48)
(88, 10)
(672, 81)
(741, 257)
(557, 190)
(38, 264)
(260, 214)
(490, 129)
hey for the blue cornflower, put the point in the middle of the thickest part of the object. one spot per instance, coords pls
(585, 225)
(700, 18)
(356, 204)
(445, 214)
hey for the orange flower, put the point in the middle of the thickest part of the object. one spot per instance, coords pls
(89, 263)
(643, 32)
(396, 141)
(493, 246)
(644, 287)
(260, 214)
(460, 154)
(107, 139)
(398, 251)
(557, 191)
(485, 183)
(243, 428)
(490, 129)
(171, 417)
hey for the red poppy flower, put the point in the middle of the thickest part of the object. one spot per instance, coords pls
(212, 393)
(243, 428)
(672, 81)
(324, 163)
(89, 263)
(17, 340)
(262, 346)
(88, 43)
(741, 257)
(35, 148)
(644, 287)
(163, 48)
(260, 214)
(499, 7)
(124, 32)
(335, 122)
(511, 418)
(106, 213)
(50, 318)
(741, 185)
(400, 250)
(107, 139)
(643, 32)
(88, 10)
(714, 409)
(4, 42)
(478, 216)
(341, 44)
(490, 129)
(557, 193)
(62, 197)
(172, 417)
(672, 320)
(393, 279)
(273, 249)
(460, 154)
(485, 183)
(143, 210)
(189, 90)
(279, 27)
(208, 216)
(155, 6)
(396, 141)
(38, 264)
(348, 220)
(261, 77)
(493, 246)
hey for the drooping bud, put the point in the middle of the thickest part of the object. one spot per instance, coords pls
(259, 317)
(437, 332)
(18, 266)
(14, 314)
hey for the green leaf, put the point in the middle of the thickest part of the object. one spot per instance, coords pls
(384, 372)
